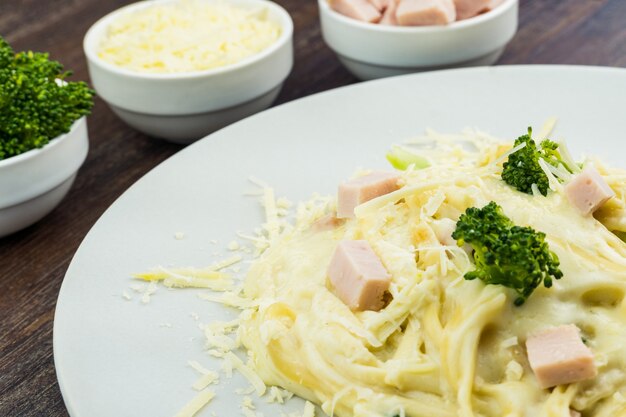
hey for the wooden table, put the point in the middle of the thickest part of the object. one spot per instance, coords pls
(33, 261)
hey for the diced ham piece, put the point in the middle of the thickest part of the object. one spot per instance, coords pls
(470, 8)
(358, 276)
(425, 12)
(380, 5)
(389, 16)
(558, 356)
(494, 3)
(359, 190)
(356, 9)
(574, 413)
(588, 191)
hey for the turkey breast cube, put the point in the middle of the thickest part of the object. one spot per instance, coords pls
(380, 5)
(356, 9)
(357, 275)
(389, 16)
(588, 191)
(558, 356)
(425, 12)
(359, 190)
(470, 8)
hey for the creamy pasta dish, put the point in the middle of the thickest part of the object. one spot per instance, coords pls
(466, 283)
(442, 345)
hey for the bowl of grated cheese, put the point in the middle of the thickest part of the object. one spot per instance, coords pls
(181, 69)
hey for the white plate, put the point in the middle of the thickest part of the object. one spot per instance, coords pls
(114, 358)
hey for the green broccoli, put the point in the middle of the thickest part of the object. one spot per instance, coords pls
(505, 254)
(36, 103)
(522, 168)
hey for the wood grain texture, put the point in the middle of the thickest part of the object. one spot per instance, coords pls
(33, 261)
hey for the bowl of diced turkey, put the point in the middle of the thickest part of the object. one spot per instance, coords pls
(382, 38)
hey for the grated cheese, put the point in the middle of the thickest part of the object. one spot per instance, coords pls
(248, 373)
(198, 368)
(547, 128)
(196, 404)
(209, 278)
(229, 299)
(271, 215)
(245, 391)
(247, 402)
(510, 342)
(309, 410)
(187, 35)
(226, 262)
(205, 380)
(514, 371)
(275, 395)
(147, 294)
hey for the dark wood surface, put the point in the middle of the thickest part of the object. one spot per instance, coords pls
(33, 261)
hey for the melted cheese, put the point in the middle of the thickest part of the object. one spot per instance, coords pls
(187, 35)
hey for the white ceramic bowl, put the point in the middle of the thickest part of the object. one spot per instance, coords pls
(374, 51)
(35, 182)
(183, 107)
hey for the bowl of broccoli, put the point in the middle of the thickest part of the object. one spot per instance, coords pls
(43, 135)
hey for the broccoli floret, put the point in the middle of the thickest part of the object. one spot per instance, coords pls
(36, 103)
(505, 254)
(522, 168)
(6, 53)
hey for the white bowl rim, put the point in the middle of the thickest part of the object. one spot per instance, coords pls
(285, 36)
(13, 160)
(459, 24)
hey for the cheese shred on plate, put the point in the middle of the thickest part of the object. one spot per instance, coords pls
(186, 36)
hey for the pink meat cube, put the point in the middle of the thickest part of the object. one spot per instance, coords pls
(425, 12)
(588, 191)
(470, 8)
(380, 5)
(494, 3)
(558, 356)
(358, 276)
(574, 413)
(389, 16)
(359, 190)
(356, 9)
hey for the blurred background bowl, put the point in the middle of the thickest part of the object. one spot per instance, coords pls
(374, 51)
(34, 182)
(183, 107)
